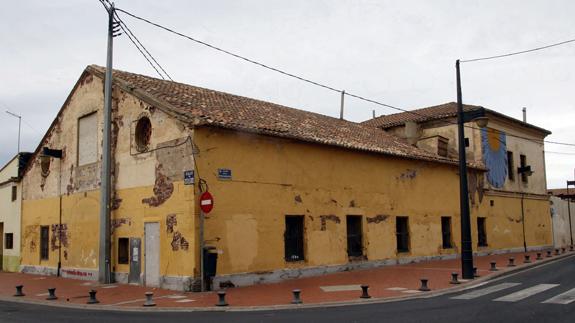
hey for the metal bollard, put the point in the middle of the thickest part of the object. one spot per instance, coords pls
(538, 256)
(454, 279)
(92, 299)
(563, 250)
(527, 260)
(149, 301)
(222, 299)
(424, 287)
(296, 296)
(475, 274)
(511, 262)
(549, 254)
(19, 291)
(556, 252)
(493, 268)
(51, 294)
(571, 248)
(364, 293)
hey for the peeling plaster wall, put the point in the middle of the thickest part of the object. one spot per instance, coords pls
(156, 175)
(560, 215)
(275, 177)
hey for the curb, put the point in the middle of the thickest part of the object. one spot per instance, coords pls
(434, 293)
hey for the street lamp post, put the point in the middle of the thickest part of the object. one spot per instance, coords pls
(466, 247)
(19, 126)
(569, 209)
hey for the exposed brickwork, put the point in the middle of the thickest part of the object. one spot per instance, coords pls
(163, 189)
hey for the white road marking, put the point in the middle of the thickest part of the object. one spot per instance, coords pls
(111, 286)
(43, 294)
(175, 296)
(485, 291)
(411, 291)
(396, 288)
(185, 301)
(340, 288)
(524, 293)
(564, 298)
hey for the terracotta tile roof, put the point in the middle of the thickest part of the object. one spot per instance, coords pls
(204, 107)
(561, 192)
(437, 112)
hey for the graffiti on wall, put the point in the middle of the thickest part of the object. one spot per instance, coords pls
(493, 143)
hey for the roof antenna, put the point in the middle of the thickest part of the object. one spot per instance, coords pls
(373, 112)
(341, 106)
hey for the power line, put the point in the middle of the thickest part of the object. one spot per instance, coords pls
(517, 53)
(331, 88)
(136, 41)
(559, 153)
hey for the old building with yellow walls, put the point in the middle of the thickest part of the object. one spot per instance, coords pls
(10, 207)
(295, 193)
(513, 189)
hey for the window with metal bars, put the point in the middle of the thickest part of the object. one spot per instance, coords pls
(402, 233)
(481, 233)
(293, 238)
(44, 241)
(446, 232)
(354, 236)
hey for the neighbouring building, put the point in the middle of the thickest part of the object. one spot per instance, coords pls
(10, 206)
(562, 212)
(511, 209)
(295, 193)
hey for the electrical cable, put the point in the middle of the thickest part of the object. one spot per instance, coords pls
(331, 88)
(516, 53)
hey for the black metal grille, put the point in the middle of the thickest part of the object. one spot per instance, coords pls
(293, 238)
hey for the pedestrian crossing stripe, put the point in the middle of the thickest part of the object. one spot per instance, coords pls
(486, 291)
(524, 293)
(564, 298)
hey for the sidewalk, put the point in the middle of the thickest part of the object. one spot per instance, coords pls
(384, 283)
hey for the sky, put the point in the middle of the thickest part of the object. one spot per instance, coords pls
(398, 52)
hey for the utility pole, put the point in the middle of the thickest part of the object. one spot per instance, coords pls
(104, 260)
(466, 246)
(569, 210)
(341, 105)
(19, 126)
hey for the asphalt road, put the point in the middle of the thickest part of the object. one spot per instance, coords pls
(516, 298)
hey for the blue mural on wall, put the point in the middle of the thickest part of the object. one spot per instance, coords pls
(494, 146)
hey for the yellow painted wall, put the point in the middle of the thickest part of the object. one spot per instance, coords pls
(137, 176)
(271, 176)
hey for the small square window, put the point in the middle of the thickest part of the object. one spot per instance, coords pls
(8, 241)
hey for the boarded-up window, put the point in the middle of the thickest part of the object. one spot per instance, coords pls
(88, 139)
(442, 143)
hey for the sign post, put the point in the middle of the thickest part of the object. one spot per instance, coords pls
(206, 205)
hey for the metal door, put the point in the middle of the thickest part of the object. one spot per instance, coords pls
(135, 260)
(354, 236)
(152, 254)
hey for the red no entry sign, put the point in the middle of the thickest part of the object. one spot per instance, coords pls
(206, 202)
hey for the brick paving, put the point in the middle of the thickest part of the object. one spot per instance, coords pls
(384, 282)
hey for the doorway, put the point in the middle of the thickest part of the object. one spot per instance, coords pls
(152, 254)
